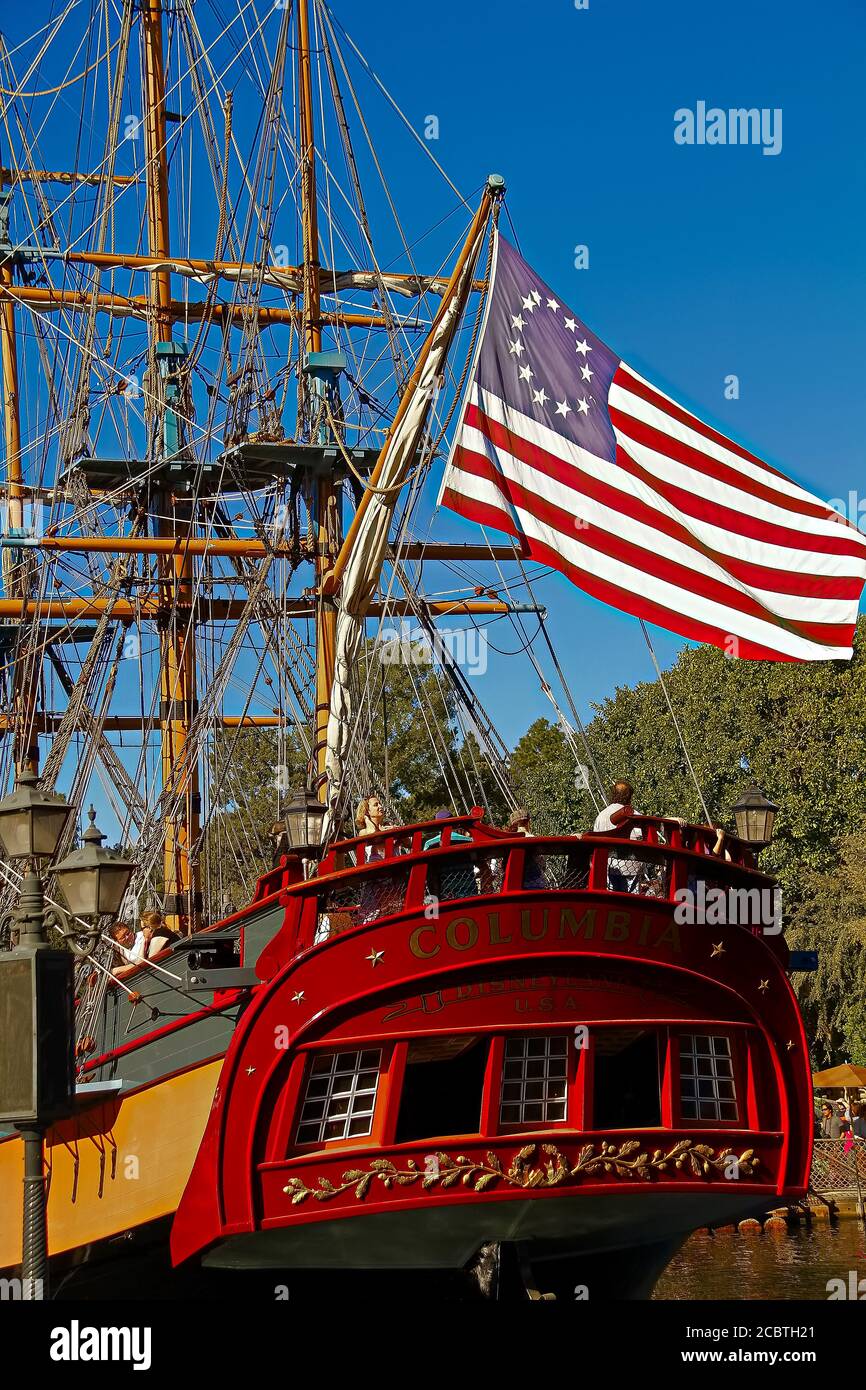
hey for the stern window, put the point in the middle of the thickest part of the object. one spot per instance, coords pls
(627, 1082)
(707, 1078)
(442, 1088)
(534, 1080)
(340, 1097)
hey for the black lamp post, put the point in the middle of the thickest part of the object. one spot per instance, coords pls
(755, 816)
(37, 1073)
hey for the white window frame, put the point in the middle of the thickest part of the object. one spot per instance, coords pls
(334, 1077)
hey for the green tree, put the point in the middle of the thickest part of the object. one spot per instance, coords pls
(413, 742)
(799, 730)
(831, 917)
(252, 776)
(543, 777)
(406, 734)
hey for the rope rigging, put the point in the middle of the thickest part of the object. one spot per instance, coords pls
(226, 125)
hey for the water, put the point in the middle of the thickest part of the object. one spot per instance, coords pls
(789, 1263)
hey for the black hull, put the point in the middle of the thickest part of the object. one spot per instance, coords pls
(505, 1272)
(619, 1254)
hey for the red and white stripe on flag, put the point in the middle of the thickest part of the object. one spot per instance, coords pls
(683, 528)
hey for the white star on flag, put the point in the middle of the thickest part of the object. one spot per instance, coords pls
(637, 500)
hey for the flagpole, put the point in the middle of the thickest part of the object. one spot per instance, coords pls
(494, 190)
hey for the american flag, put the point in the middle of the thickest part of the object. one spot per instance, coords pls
(599, 473)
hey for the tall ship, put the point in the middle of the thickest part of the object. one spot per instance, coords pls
(404, 1049)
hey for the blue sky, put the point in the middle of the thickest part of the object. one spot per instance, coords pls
(704, 261)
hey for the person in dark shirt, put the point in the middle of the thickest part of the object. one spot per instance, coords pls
(157, 934)
(455, 877)
(831, 1126)
(535, 867)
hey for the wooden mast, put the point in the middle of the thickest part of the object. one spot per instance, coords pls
(326, 502)
(181, 887)
(26, 752)
(170, 601)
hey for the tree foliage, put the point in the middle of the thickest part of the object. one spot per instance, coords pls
(797, 729)
(252, 775)
(414, 742)
(832, 917)
(543, 776)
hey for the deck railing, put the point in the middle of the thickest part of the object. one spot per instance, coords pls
(406, 870)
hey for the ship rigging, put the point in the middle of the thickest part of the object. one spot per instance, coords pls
(227, 393)
(194, 393)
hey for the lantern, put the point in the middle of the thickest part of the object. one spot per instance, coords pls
(32, 822)
(755, 816)
(93, 880)
(303, 819)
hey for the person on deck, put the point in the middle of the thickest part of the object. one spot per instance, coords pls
(279, 838)
(720, 849)
(858, 1120)
(157, 935)
(619, 810)
(377, 892)
(534, 869)
(456, 877)
(370, 820)
(129, 947)
(623, 873)
(519, 822)
(434, 838)
(831, 1126)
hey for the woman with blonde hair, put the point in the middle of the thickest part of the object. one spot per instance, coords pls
(155, 933)
(370, 820)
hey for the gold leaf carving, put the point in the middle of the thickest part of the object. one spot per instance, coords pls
(621, 1161)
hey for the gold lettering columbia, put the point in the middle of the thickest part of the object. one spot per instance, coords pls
(550, 924)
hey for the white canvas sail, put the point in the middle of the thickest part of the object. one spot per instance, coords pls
(370, 543)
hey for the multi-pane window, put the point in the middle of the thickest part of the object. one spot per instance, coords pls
(706, 1078)
(340, 1096)
(534, 1080)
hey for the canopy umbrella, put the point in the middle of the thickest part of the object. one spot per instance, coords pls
(848, 1078)
(843, 1077)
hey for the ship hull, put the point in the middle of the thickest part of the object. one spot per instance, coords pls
(547, 1069)
(569, 1229)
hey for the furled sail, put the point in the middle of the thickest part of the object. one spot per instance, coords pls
(367, 543)
(636, 500)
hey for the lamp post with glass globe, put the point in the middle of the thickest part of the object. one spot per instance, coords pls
(755, 815)
(37, 1060)
(303, 820)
